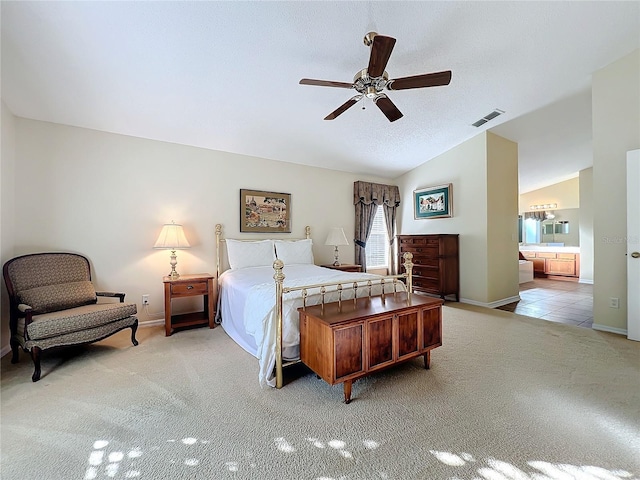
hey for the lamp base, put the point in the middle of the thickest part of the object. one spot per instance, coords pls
(173, 275)
(336, 262)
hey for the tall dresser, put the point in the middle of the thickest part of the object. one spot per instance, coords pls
(436, 269)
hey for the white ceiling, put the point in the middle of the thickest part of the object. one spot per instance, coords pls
(224, 75)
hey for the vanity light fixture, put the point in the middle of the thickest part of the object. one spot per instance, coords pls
(546, 206)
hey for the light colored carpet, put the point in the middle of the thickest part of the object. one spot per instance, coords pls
(507, 397)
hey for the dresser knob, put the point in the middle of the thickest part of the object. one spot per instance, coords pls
(189, 287)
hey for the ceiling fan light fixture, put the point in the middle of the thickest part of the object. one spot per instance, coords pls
(371, 81)
(368, 38)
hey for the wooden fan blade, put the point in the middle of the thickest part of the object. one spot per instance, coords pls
(381, 49)
(325, 83)
(385, 104)
(342, 108)
(419, 81)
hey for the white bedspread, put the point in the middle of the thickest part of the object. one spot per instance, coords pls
(247, 305)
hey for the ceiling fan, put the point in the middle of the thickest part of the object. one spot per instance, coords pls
(371, 81)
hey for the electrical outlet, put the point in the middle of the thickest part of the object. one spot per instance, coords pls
(145, 299)
(614, 302)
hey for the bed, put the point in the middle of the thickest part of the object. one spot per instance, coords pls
(264, 282)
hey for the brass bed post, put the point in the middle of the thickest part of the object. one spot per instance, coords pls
(408, 265)
(218, 235)
(278, 265)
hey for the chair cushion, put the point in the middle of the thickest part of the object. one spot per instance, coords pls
(76, 319)
(51, 298)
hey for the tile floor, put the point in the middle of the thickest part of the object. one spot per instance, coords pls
(555, 300)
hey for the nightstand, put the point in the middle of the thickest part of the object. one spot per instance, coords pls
(189, 286)
(345, 268)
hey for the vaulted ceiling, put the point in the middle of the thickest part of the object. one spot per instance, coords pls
(224, 76)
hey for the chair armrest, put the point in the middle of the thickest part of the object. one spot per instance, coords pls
(24, 308)
(28, 314)
(112, 294)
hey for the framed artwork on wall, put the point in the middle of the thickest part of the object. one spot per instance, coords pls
(433, 202)
(265, 212)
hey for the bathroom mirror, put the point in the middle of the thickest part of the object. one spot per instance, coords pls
(560, 226)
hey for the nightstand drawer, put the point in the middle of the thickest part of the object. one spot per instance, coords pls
(188, 289)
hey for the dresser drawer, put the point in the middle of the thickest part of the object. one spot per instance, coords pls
(188, 289)
(427, 283)
(426, 271)
(419, 241)
(431, 262)
(422, 250)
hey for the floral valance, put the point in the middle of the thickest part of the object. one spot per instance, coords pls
(368, 193)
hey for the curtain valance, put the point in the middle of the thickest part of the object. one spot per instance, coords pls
(377, 193)
(538, 215)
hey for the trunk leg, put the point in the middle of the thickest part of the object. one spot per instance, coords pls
(427, 360)
(347, 391)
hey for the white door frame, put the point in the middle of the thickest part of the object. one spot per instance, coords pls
(633, 245)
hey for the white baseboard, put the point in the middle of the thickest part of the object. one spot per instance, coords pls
(586, 280)
(6, 349)
(604, 328)
(495, 304)
(151, 323)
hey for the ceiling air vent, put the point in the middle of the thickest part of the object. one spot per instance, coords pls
(486, 118)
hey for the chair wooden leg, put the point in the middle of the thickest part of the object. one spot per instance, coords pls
(35, 355)
(15, 350)
(134, 329)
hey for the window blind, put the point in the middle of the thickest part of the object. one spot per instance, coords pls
(377, 249)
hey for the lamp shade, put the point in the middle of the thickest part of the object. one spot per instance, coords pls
(336, 237)
(172, 236)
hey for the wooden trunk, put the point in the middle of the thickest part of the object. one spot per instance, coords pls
(343, 343)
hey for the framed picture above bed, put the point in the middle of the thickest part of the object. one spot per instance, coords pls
(433, 202)
(265, 212)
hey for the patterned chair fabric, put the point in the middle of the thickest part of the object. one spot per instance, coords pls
(51, 298)
(53, 303)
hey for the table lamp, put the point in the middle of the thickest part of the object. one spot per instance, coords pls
(172, 238)
(336, 237)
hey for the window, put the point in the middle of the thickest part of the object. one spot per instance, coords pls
(377, 249)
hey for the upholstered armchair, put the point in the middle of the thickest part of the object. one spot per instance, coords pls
(53, 303)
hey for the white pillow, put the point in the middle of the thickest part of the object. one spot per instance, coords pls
(294, 251)
(250, 254)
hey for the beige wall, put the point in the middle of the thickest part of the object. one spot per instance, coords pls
(565, 194)
(502, 218)
(106, 196)
(7, 199)
(616, 130)
(467, 167)
(586, 225)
